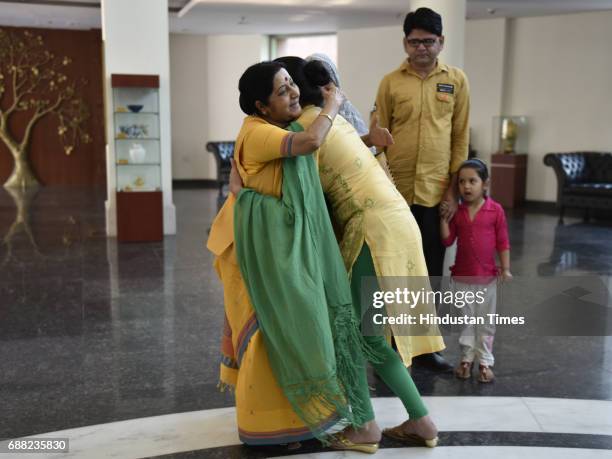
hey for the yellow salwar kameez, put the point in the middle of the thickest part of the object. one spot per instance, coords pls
(264, 415)
(369, 209)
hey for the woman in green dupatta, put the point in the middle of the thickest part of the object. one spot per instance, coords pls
(293, 272)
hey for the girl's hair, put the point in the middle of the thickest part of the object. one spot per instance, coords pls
(256, 84)
(478, 165)
(309, 76)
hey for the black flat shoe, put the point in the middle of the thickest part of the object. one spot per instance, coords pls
(434, 362)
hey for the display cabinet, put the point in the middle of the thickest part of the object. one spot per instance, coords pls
(137, 157)
(509, 179)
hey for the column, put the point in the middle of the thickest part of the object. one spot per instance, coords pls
(136, 41)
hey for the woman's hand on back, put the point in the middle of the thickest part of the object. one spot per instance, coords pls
(235, 181)
(306, 141)
(333, 97)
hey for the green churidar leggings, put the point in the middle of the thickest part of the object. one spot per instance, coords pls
(392, 369)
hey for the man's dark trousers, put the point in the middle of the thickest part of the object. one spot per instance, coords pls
(428, 219)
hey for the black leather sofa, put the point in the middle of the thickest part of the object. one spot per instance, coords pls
(584, 180)
(222, 152)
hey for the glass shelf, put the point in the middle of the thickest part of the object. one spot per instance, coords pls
(138, 177)
(136, 125)
(144, 97)
(136, 113)
(137, 146)
(156, 139)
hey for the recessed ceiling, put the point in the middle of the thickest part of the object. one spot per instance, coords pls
(275, 16)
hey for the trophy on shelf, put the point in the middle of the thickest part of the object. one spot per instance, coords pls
(510, 134)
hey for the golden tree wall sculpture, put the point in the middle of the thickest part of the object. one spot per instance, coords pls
(33, 83)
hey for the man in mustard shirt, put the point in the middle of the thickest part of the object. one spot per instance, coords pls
(425, 104)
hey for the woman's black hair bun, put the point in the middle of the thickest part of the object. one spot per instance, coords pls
(316, 73)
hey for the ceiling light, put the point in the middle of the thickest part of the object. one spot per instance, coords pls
(299, 18)
(193, 3)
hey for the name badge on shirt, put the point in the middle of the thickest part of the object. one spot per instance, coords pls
(447, 88)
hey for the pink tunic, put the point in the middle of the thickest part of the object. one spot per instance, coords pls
(478, 240)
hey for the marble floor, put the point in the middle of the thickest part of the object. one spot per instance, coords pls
(115, 346)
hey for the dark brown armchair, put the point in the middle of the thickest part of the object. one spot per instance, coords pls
(223, 152)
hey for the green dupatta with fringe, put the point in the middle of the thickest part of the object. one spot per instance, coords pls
(297, 283)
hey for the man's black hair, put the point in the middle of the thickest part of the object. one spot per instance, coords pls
(424, 19)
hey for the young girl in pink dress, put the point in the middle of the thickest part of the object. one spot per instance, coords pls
(480, 228)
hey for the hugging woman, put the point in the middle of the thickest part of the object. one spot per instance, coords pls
(291, 344)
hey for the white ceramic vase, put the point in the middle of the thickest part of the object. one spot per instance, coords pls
(137, 153)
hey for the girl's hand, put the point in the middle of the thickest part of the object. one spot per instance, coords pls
(235, 181)
(445, 214)
(505, 275)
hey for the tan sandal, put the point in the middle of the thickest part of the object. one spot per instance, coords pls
(412, 439)
(485, 374)
(464, 370)
(340, 442)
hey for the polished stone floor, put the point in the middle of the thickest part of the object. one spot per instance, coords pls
(95, 332)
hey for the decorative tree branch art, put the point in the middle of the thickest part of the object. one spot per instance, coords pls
(34, 85)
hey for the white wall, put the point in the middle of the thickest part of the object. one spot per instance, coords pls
(559, 76)
(228, 57)
(190, 102)
(364, 57)
(135, 36)
(484, 65)
(556, 72)
(205, 74)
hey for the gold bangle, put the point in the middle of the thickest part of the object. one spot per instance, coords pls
(331, 120)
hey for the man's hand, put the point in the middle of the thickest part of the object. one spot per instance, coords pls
(448, 207)
(378, 136)
(235, 182)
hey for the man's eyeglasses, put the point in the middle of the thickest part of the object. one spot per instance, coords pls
(427, 42)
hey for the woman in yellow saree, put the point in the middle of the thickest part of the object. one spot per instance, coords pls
(294, 369)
